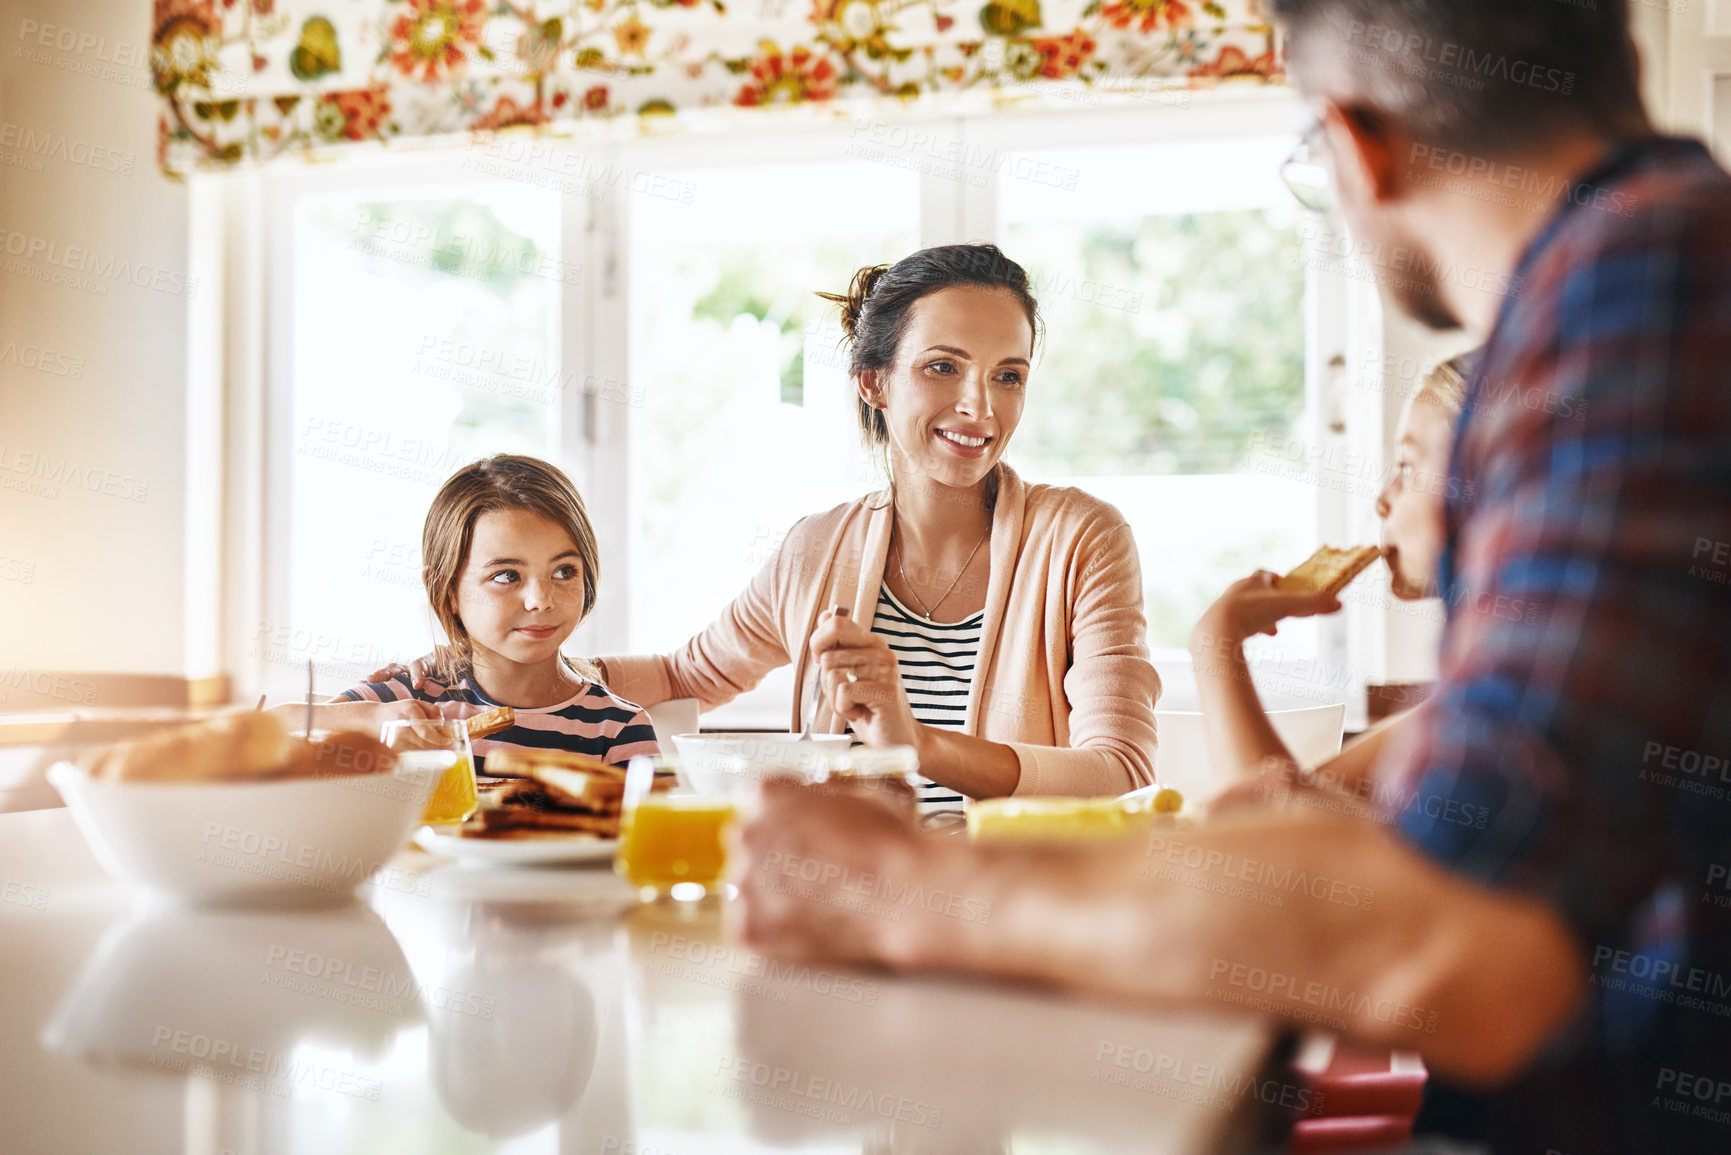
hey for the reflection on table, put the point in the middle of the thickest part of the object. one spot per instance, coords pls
(471, 1009)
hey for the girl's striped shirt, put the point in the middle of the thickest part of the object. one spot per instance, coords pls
(937, 665)
(592, 722)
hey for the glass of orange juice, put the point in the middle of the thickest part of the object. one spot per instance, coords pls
(673, 842)
(443, 745)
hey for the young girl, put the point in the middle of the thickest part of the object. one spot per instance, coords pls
(1242, 744)
(511, 566)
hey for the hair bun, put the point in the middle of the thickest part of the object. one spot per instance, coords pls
(853, 302)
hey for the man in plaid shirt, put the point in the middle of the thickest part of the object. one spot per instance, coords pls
(1595, 727)
(1551, 919)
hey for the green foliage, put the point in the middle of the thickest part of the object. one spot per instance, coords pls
(740, 289)
(461, 238)
(1173, 340)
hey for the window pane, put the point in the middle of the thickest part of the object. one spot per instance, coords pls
(424, 337)
(1172, 283)
(747, 423)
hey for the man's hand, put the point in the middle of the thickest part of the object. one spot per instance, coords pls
(821, 869)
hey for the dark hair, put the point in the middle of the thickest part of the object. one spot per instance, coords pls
(503, 481)
(1488, 76)
(875, 308)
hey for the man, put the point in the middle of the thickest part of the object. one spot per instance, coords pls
(1543, 910)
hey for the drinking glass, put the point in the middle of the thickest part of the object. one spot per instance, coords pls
(673, 841)
(442, 745)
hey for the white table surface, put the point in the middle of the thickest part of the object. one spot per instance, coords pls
(464, 1009)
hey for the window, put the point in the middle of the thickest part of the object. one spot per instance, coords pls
(1172, 281)
(425, 334)
(747, 419)
(430, 317)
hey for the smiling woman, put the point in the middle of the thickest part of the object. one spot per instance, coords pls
(995, 626)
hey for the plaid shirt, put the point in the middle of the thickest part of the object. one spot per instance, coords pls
(1582, 719)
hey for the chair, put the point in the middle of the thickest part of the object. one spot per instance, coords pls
(61, 692)
(1365, 1098)
(674, 716)
(1312, 733)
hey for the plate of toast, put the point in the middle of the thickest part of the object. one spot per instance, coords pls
(526, 848)
(538, 806)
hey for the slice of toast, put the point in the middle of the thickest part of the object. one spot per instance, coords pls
(493, 823)
(490, 722)
(1328, 570)
(518, 762)
(580, 791)
(567, 779)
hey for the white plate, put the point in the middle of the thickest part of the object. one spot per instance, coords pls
(516, 851)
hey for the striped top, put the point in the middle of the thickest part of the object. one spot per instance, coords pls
(937, 666)
(591, 722)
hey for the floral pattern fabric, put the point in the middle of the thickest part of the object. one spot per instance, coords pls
(245, 81)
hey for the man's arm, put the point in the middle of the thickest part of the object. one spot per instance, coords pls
(1311, 918)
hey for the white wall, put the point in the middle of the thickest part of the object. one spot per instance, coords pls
(89, 580)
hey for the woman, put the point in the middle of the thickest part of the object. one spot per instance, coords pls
(994, 626)
(1242, 743)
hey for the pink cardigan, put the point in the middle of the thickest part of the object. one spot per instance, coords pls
(1063, 675)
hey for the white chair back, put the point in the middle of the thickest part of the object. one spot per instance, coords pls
(1312, 733)
(674, 716)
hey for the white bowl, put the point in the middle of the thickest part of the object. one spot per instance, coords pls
(711, 762)
(305, 841)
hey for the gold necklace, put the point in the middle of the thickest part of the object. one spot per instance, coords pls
(901, 555)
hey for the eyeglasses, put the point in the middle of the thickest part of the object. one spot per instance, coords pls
(1304, 176)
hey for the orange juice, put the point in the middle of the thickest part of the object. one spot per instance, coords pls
(455, 797)
(668, 839)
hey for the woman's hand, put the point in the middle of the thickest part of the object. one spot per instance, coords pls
(418, 670)
(1254, 606)
(862, 682)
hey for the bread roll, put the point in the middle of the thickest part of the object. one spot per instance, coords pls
(240, 747)
(225, 748)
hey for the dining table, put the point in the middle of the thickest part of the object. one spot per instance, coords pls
(450, 1006)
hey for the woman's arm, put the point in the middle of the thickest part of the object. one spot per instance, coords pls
(732, 655)
(1109, 685)
(1373, 941)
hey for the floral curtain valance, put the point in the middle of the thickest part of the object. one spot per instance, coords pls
(250, 80)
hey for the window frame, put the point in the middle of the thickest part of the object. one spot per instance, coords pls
(283, 189)
(1212, 117)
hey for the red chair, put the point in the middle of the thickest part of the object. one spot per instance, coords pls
(1364, 1099)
